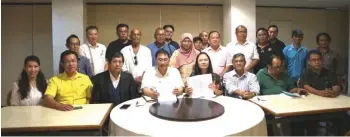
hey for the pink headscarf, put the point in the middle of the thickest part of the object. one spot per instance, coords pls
(186, 57)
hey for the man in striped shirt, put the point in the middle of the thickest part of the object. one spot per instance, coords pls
(239, 82)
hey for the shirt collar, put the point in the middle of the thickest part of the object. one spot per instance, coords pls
(160, 75)
(236, 75)
(77, 75)
(210, 48)
(97, 45)
(329, 50)
(113, 78)
(323, 72)
(245, 43)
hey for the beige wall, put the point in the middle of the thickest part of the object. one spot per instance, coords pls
(192, 19)
(27, 29)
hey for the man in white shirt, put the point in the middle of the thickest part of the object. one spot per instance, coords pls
(248, 49)
(239, 82)
(217, 53)
(137, 57)
(94, 51)
(161, 76)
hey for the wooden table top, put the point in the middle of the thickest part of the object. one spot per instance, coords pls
(280, 105)
(39, 118)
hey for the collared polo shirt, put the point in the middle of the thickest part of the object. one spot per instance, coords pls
(96, 55)
(330, 60)
(296, 60)
(75, 91)
(153, 79)
(270, 86)
(248, 49)
(264, 56)
(142, 57)
(154, 48)
(318, 80)
(218, 58)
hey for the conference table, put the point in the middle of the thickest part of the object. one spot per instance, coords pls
(240, 117)
(287, 109)
(39, 120)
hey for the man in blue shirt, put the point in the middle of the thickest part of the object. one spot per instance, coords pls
(159, 35)
(295, 55)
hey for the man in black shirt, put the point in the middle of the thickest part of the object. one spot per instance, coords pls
(319, 81)
(274, 41)
(121, 42)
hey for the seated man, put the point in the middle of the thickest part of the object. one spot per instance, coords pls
(160, 75)
(114, 85)
(239, 82)
(273, 81)
(70, 87)
(318, 80)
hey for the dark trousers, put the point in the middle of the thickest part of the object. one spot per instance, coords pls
(299, 128)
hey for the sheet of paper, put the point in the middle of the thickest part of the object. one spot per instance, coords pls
(165, 90)
(200, 85)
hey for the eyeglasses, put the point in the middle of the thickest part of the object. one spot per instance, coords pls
(135, 60)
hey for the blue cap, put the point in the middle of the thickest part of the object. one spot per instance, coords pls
(297, 32)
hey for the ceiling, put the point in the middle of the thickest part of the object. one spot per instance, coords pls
(337, 4)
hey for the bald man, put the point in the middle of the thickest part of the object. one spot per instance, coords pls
(204, 36)
(137, 57)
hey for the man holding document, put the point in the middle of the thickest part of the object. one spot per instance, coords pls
(162, 82)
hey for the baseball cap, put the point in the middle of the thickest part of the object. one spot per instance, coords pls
(297, 32)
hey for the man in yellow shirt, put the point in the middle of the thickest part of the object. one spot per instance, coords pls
(68, 88)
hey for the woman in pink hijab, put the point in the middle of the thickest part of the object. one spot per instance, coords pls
(184, 57)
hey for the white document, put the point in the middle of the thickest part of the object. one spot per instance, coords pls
(165, 90)
(200, 85)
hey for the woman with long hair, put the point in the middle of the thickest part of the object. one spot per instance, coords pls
(203, 65)
(31, 85)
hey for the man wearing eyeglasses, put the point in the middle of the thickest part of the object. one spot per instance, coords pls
(137, 57)
(273, 81)
(114, 85)
(160, 43)
(84, 67)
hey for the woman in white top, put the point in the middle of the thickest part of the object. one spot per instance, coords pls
(31, 85)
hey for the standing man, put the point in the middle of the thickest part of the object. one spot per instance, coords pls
(169, 31)
(121, 42)
(204, 36)
(274, 41)
(248, 49)
(159, 35)
(137, 57)
(94, 51)
(217, 53)
(295, 55)
(73, 44)
(330, 57)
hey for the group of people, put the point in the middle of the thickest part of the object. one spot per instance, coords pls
(92, 73)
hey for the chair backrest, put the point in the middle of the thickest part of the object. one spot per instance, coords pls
(8, 98)
(347, 133)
